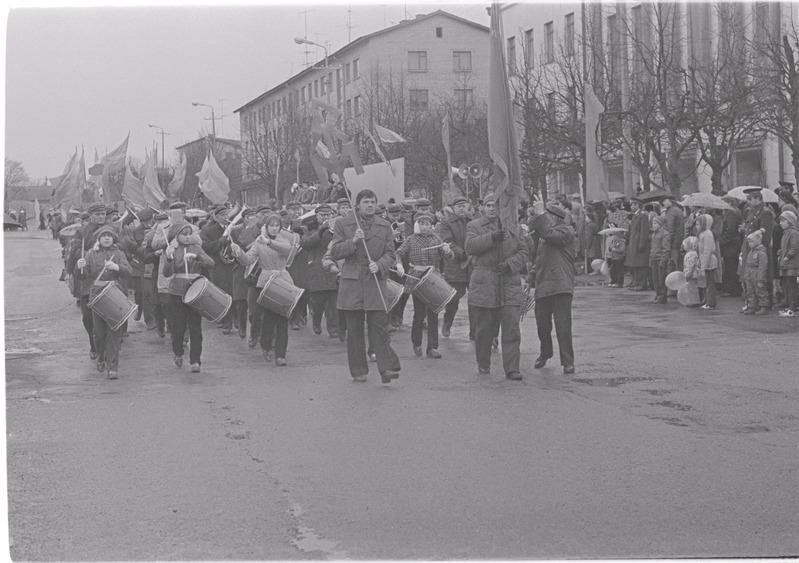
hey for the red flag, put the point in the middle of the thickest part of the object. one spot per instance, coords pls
(114, 168)
(502, 143)
(388, 136)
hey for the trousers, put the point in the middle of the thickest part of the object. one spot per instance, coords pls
(274, 332)
(107, 342)
(87, 316)
(379, 338)
(452, 307)
(324, 303)
(421, 312)
(182, 317)
(487, 324)
(559, 308)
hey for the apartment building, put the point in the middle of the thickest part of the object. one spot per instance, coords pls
(541, 33)
(430, 58)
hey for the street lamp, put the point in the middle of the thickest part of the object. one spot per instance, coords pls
(213, 119)
(163, 162)
(302, 41)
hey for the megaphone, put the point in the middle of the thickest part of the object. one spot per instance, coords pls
(475, 170)
(463, 172)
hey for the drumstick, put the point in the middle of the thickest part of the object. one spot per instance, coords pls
(408, 275)
(434, 247)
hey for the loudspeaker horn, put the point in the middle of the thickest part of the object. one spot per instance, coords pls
(463, 172)
(475, 170)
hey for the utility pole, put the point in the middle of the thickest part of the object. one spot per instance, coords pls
(305, 36)
(627, 168)
(222, 116)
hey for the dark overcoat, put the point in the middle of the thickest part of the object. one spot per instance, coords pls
(488, 287)
(213, 244)
(638, 243)
(358, 289)
(555, 255)
(314, 246)
(453, 231)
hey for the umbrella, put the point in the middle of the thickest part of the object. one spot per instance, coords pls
(612, 231)
(196, 214)
(769, 196)
(653, 195)
(615, 195)
(69, 230)
(706, 200)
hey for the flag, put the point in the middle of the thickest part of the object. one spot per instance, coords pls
(213, 182)
(114, 172)
(596, 185)
(388, 136)
(320, 169)
(69, 190)
(37, 210)
(380, 152)
(175, 187)
(132, 189)
(152, 188)
(502, 143)
(351, 151)
(446, 141)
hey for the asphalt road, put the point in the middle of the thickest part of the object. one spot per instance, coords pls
(676, 437)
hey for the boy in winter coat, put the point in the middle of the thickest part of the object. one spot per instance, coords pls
(755, 275)
(105, 263)
(659, 254)
(615, 252)
(789, 262)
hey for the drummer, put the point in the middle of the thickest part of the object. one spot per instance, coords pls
(104, 264)
(244, 235)
(423, 249)
(271, 249)
(184, 253)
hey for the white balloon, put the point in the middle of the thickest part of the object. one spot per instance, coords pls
(675, 280)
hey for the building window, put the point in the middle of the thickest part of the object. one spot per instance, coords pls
(338, 82)
(529, 50)
(549, 42)
(322, 88)
(568, 35)
(302, 94)
(347, 73)
(418, 100)
(417, 61)
(356, 106)
(439, 32)
(315, 88)
(348, 110)
(355, 72)
(463, 97)
(462, 61)
(511, 55)
(329, 83)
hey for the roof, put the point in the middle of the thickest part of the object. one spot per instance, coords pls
(233, 142)
(360, 41)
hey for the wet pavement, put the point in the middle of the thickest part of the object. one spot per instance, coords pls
(676, 437)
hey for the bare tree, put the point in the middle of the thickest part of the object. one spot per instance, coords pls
(15, 176)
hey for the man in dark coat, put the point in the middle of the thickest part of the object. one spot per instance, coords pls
(82, 242)
(758, 215)
(637, 259)
(675, 224)
(456, 269)
(362, 287)
(130, 242)
(321, 284)
(215, 244)
(554, 283)
(495, 291)
(730, 246)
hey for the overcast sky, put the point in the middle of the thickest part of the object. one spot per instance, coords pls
(87, 76)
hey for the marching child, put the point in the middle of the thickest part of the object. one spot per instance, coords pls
(755, 275)
(105, 263)
(423, 249)
(184, 252)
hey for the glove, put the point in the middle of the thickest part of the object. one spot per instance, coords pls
(498, 236)
(400, 269)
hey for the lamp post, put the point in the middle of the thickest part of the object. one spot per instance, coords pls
(302, 41)
(163, 162)
(213, 119)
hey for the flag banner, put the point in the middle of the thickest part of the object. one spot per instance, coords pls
(388, 136)
(114, 172)
(502, 143)
(446, 141)
(175, 187)
(379, 151)
(69, 190)
(133, 189)
(349, 150)
(213, 183)
(377, 177)
(596, 181)
(320, 169)
(152, 189)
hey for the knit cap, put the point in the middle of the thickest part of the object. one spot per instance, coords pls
(658, 220)
(789, 216)
(756, 237)
(175, 229)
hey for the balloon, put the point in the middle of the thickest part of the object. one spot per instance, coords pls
(604, 269)
(596, 264)
(688, 295)
(675, 280)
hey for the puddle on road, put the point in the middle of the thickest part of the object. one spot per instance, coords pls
(611, 381)
(672, 405)
(308, 541)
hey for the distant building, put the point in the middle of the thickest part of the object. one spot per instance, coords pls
(227, 153)
(433, 57)
(536, 34)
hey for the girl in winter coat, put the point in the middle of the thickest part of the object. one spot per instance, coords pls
(789, 262)
(271, 249)
(694, 275)
(755, 275)
(105, 263)
(615, 251)
(184, 253)
(708, 258)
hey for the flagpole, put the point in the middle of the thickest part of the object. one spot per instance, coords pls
(277, 175)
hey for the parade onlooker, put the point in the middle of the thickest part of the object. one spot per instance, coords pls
(615, 252)
(637, 258)
(674, 223)
(757, 216)
(755, 275)
(789, 262)
(708, 259)
(659, 255)
(730, 247)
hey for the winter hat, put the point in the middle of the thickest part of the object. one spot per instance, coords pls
(690, 243)
(756, 237)
(106, 230)
(789, 216)
(176, 229)
(658, 220)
